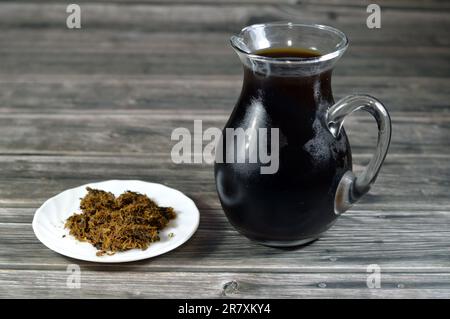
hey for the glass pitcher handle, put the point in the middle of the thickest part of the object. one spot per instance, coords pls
(351, 188)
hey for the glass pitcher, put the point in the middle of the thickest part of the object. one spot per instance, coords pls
(287, 112)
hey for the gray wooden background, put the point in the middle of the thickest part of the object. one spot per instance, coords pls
(79, 106)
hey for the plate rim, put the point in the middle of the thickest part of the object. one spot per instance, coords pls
(94, 258)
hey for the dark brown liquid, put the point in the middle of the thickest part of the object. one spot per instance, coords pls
(288, 53)
(296, 202)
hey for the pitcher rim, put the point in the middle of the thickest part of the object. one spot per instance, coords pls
(338, 51)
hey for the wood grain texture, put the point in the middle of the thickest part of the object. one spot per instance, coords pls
(78, 106)
(143, 132)
(208, 93)
(398, 4)
(398, 241)
(100, 284)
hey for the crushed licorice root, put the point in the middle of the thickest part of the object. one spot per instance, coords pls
(112, 224)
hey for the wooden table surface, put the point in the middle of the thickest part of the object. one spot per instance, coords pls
(99, 103)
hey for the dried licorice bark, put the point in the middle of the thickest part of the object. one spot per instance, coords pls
(112, 224)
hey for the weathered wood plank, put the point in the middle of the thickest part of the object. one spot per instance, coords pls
(390, 4)
(207, 199)
(190, 59)
(400, 186)
(194, 16)
(411, 181)
(397, 241)
(129, 41)
(204, 63)
(148, 132)
(404, 183)
(94, 284)
(137, 40)
(60, 93)
(106, 22)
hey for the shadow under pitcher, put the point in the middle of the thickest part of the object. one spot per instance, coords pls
(287, 111)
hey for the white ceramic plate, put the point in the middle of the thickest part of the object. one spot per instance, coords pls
(49, 219)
